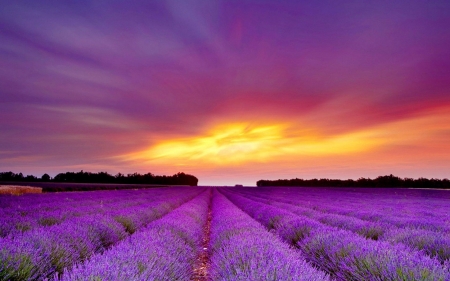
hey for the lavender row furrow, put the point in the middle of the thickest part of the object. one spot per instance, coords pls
(341, 253)
(242, 249)
(30, 214)
(397, 207)
(434, 226)
(164, 250)
(433, 243)
(402, 203)
(40, 252)
(368, 229)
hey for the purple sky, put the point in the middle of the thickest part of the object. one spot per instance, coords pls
(230, 91)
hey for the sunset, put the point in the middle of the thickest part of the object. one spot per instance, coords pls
(274, 89)
(224, 140)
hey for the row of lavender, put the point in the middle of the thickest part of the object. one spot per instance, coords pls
(429, 233)
(159, 238)
(102, 220)
(23, 213)
(343, 254)
(240, 249)
(426, 209)
(163, 250)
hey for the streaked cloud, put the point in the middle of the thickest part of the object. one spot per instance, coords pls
(252, 89)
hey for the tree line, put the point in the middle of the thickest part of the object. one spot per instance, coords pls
(104, 177)
(381, 181)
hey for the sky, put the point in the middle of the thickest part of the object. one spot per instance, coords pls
(229, 91)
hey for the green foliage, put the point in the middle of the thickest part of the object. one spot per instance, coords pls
(23, 269)
(129, 225)
(49, 221)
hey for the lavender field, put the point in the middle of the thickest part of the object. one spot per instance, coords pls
(224, 233)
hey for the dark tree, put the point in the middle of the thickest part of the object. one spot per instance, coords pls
(45, 177)
(104, 177)
(381, 181)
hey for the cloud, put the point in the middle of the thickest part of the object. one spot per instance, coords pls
(159, 83)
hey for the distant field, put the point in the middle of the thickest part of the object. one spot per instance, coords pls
(213, 233)
(18, 190)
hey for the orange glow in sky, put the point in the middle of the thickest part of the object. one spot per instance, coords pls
(228, 91)
(231, 144)
(270, 146)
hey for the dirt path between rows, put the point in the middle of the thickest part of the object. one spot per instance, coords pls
(202, 263)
